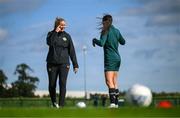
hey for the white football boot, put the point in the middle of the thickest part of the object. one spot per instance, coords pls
(55, 105)
(112, 105)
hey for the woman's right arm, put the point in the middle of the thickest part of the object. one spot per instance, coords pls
(51, 38)
(100, 42)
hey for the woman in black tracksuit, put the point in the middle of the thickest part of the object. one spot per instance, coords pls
(60, 49)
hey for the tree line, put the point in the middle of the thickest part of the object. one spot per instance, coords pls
(24, 86)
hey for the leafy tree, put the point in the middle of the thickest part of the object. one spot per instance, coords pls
(3, 78)
(3, 84)
(26, 84)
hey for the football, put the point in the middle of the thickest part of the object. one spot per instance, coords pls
(139, 95)
(81, 105)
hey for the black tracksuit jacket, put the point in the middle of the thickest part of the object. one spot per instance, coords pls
(60, 49)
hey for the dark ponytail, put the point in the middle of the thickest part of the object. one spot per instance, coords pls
(106, 23)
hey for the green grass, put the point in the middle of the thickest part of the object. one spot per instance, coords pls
(125, 112)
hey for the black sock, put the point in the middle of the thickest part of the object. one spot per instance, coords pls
(117, 96)
(112, 95)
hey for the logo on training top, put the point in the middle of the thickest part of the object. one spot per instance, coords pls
(64, 39)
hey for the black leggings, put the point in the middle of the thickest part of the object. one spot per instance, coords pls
(55, 70)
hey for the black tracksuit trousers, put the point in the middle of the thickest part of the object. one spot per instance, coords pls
(55, 70)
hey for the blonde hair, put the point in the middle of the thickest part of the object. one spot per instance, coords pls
(57, 22)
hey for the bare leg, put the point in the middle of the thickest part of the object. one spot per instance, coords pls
(109, 75)
(115, 80)
(116, 87)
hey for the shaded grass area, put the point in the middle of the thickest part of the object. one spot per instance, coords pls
(90, 112)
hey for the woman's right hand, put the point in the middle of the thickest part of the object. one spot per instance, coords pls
(93, 42)
(58, 29)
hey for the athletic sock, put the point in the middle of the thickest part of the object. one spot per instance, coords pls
(112, 95)
(117, 96)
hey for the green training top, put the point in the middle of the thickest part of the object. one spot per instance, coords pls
(110, 42)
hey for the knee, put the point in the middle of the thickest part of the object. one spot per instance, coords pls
(107, 83)
(63, 87)
(110, 84)
(51, 86)
(62, 84)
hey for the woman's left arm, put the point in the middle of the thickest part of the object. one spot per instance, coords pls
(121, 39)
(72, 53)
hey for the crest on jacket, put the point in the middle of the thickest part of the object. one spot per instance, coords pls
(64, 39)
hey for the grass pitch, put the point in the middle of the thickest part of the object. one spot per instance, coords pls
(124, 112)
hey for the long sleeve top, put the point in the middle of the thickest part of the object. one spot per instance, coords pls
(110, 42)
(60, 49)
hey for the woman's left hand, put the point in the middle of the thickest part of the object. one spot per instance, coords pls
(75, 70)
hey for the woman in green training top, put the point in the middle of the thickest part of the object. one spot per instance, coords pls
(109, 40)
